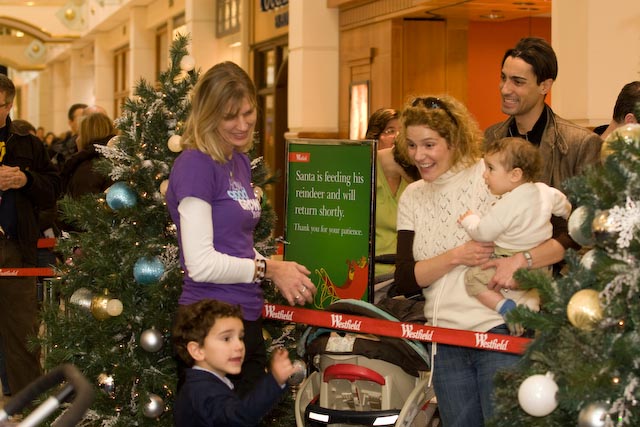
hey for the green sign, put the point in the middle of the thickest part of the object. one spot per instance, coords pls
(330, 216)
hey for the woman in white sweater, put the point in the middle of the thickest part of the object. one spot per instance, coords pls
(434, 252)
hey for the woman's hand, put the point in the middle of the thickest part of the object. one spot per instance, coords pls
(505, 268)
(473, 253)
(292, 280)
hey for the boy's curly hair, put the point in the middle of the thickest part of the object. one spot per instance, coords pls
(194, 321)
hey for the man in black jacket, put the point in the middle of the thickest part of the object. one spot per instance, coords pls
(28, 182)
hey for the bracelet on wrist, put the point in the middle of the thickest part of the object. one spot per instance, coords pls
(261, 270)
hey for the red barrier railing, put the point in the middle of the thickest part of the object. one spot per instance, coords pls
(353, 323)
(397, 329)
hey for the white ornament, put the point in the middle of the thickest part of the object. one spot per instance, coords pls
(537, 395)
(174, 143)
(588, 259)
(187, 63)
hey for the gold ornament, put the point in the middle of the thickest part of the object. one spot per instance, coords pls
(258, 192)
(104, 307)
(627, 133)
(164, 185)
(266, 335)
(584, 310)
(604, 228)
(174, 143)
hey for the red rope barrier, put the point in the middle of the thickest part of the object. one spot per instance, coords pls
(36, 271)
(411, 331)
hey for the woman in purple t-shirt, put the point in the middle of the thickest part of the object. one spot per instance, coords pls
(212, 203)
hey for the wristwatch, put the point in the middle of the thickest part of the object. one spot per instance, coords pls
(527, 256)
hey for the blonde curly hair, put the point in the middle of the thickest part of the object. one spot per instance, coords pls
(453, 122)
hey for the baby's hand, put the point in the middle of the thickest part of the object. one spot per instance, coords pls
(464, 215)
(281, 366)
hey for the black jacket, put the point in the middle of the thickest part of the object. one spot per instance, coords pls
(40, 192)
(78, 174)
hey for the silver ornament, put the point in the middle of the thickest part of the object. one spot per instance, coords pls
(82, 297)
(151, 340)
(578, 217)
(154, 406)
(107, 384)
(593, 415)
(299, 373)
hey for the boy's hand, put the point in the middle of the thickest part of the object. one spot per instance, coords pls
(281, 366)
(464, 215)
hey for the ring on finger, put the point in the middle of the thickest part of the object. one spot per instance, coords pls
(296, 298)
(303, 290)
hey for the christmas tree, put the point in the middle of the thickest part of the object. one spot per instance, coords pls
(117, 291)
(583, 366)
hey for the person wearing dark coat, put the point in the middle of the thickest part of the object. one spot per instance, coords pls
(79, 176)
(29, 183)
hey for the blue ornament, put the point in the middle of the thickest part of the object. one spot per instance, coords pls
(120, 195)
(148, 270)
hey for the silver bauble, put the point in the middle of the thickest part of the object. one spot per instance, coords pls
(151, 340)
(107, 384)
(578, 217)
(299, 373)
(593, 415)
(154, 407)
(82, 297)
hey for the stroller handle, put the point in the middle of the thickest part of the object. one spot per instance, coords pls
(77, 383)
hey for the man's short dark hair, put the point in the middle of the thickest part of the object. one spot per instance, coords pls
(628, 102)
(7, 87)
(536, 52)
(73, 109)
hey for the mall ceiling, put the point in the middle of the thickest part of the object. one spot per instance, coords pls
(29, 28)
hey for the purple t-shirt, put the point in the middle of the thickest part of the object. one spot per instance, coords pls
(235, 213)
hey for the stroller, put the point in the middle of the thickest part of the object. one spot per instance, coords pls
(76, 389)
(362, 379)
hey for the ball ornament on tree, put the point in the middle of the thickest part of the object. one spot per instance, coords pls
(104, 307)
(593, 415)
(174, 143)
(187, 63)
(120, 196)
(153, 407)
(578, 218)
(151, 340)
(164, 186)
(629, 134)
(107, 384)
(537, 395)
(584, 310)
(148, 270)
(604, 229)
(113, 142)
(258, 192)
(299, 373)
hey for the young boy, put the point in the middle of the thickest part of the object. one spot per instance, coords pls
(208, 336)
(518, 221)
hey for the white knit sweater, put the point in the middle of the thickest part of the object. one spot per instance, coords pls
(431, 211)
